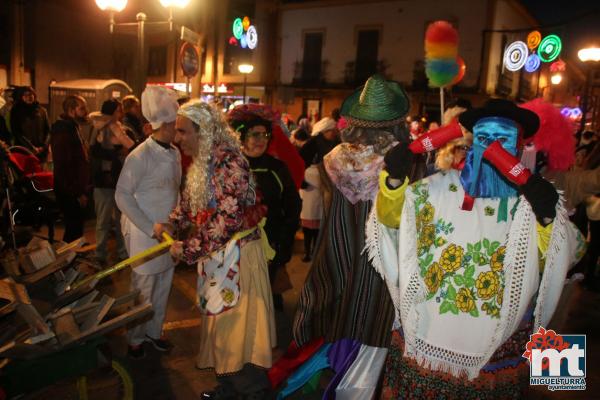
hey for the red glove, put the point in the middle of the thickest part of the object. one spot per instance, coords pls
(435, 139)
(507, 164)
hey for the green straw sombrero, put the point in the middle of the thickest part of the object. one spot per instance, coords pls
(379, 103)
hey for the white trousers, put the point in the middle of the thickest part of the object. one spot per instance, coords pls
(155, 289)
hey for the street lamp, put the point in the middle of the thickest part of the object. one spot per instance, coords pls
(556, 78)
(173, 3)
(112, 6)
(587, 55)
(118, 5)
(245, 69)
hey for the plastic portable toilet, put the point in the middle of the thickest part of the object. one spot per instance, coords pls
(95, 92)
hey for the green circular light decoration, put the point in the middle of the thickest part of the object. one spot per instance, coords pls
(549, 48)
(238, 28)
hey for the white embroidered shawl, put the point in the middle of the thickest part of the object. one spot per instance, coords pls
(449, 338)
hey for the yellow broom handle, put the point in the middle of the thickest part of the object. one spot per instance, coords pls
(168, 240)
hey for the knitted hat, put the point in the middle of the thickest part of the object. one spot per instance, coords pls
(379, 103)
(528, 120)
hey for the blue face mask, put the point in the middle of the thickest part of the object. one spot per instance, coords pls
(479, 178)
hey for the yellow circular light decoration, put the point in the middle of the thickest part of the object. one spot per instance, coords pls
(246, 23)
(533, 39)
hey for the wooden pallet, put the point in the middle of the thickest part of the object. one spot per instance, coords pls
(84, 318)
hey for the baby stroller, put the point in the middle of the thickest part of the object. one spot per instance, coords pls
(28, 195)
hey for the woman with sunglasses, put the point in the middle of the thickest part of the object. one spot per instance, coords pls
(279, 194)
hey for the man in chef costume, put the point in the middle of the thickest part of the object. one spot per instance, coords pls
(147, 191)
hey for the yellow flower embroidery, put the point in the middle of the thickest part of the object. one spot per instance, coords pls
(426, 237)
(487, 285)
(426, 213)
(464, 300)
(227, 295)
(451, 258)
(500, 295)
(433, 277)
(497, 260)
(440, 241)
(491, 310)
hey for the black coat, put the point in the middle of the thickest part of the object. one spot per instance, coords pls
(281, 197)
(316, 148)
(29, 124)
(71, 167)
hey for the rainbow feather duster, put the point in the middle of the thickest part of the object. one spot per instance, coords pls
(441, 51)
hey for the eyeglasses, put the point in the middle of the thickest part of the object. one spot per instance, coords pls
(259, 135)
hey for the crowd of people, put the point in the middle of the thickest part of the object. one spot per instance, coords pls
(432, 255)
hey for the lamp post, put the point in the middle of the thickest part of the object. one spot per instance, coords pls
(588, 55)
(245, 69)
(113, 6)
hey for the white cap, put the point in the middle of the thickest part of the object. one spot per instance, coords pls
(159, 105)
(325, 124)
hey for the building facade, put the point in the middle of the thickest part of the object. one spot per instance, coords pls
(328, 48)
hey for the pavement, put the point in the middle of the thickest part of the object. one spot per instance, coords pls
(173, 375)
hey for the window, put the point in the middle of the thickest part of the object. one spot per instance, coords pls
(367, 45)
(311, 61)
(157, 61)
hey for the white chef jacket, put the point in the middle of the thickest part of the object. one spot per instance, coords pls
(147, 191)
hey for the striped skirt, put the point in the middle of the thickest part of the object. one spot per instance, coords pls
(343, 296)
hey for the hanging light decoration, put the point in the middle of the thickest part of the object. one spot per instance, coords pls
(251, 37)
(533, 63)
(558, 66)
(244, 34)
(515, 56)
(550, 48)
(533, 39)
(238, 28)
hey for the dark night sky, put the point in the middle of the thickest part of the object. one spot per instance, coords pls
(579, 21)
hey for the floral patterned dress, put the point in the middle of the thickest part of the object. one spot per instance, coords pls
(234, 207)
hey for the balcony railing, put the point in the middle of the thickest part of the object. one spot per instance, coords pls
(316, 75)
(355, 75)
(310, 74)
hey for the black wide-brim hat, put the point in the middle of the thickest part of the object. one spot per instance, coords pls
(528, 120)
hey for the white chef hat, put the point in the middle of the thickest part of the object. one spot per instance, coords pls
(325, 124)
(159, 105)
